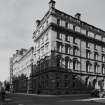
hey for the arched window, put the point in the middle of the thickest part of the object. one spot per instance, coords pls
(58, 60)
(96, 55)
(63, 62)
(67, 48)
(88, 66)
(76, 63)
(88, 52)
(96, 66)
(75, 49)
(67, 62)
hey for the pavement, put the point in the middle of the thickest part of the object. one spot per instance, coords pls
(30, 99)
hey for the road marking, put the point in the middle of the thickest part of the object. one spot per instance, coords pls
(90, 99)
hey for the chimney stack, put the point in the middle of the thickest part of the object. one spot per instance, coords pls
(17, 51)
(52, 4)
(78, 16)
(37, 22)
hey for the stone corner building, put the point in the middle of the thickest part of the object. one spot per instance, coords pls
(69, 54)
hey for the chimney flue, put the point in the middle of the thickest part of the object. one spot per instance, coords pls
(78, 16)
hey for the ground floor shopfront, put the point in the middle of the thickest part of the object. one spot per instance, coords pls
(58, 81)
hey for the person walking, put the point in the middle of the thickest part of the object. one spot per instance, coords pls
(2, 93)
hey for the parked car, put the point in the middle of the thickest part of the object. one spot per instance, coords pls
(98, 93)
(102, 94)
(95, 93)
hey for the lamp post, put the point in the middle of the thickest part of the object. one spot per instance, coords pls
(28, 81)
(32, 74)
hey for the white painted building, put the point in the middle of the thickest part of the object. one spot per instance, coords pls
(21, 63)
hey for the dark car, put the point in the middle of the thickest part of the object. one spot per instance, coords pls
(95, 93)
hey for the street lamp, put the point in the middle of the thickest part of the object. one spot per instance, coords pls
(28, 81)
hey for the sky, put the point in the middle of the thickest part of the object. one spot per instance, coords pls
(17, 22)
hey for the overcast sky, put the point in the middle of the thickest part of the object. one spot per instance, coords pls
(17, 22)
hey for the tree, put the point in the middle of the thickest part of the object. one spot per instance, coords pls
(7, 85)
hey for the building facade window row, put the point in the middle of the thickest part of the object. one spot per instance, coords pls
(79, 29)
(76, 51)
(75, 64)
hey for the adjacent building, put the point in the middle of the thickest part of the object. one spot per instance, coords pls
(20, 69)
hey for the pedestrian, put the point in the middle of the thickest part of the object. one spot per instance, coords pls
(2, 92)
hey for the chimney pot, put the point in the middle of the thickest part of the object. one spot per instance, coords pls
(37, 22)
(52, 4)
(78, 16)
